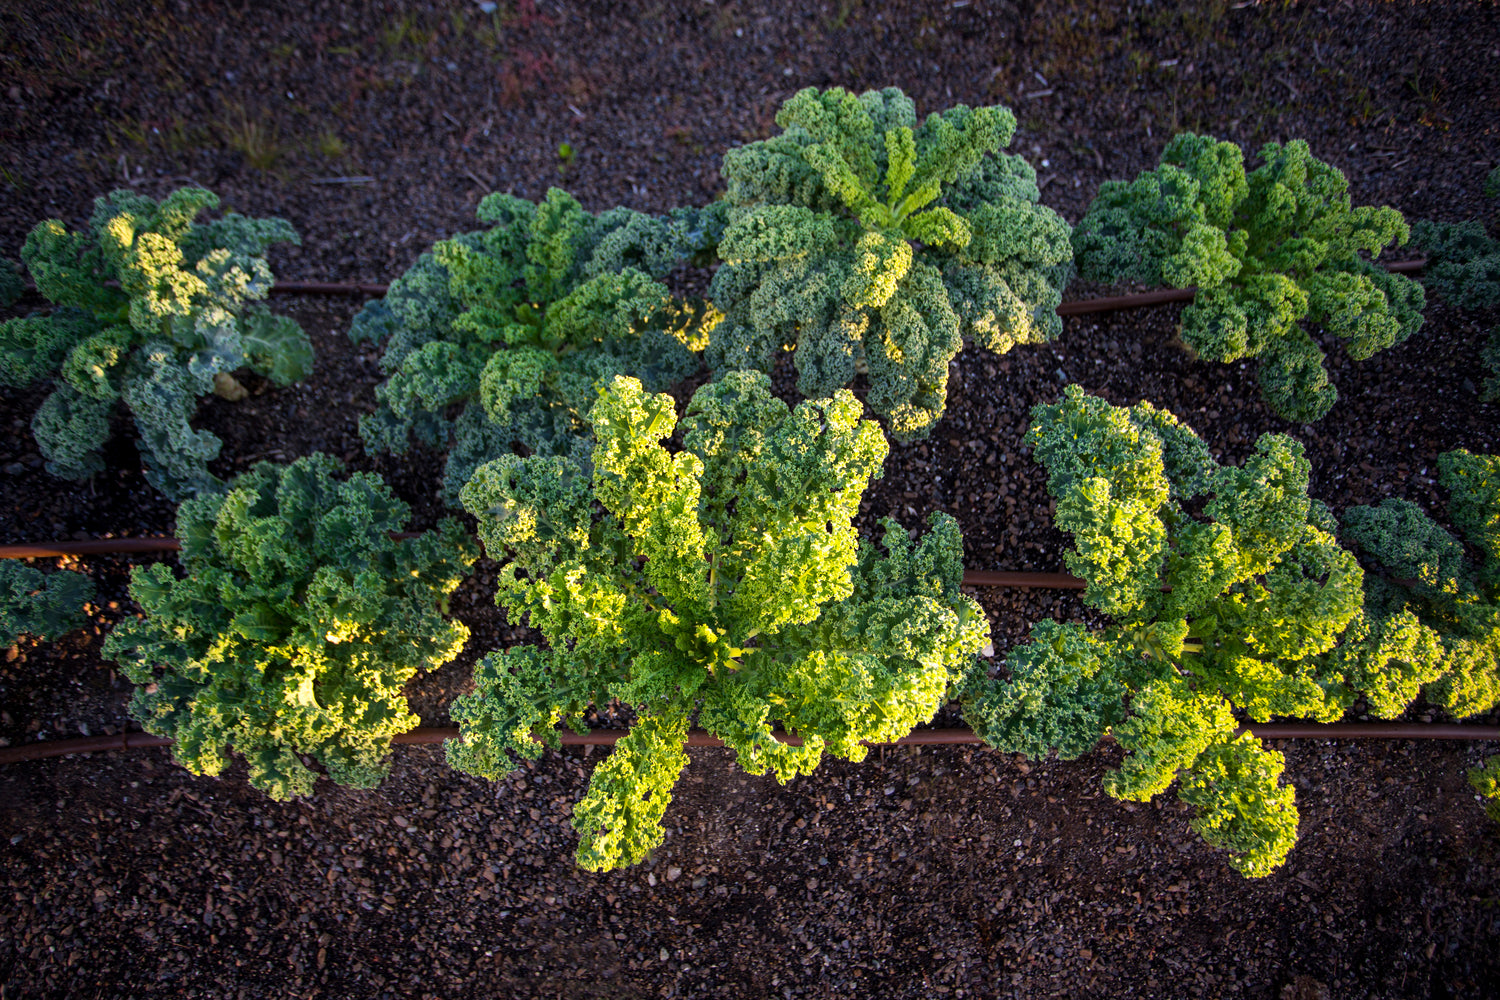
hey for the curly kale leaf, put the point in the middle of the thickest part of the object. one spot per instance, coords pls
(1390, 656)
(297, 623)
(1060, 696)
(1463, 262)
(1473, 482)
(725, 578)
(619, 820)
(1401, 541)
(1169, 727)
(70, 429)
(1108, 480)
(1242, 807)
(1432, 617)
(46, 605)
(34, 347)
(162, 396)
(152, 306)
(865, 240)
(523, 322)
(1266, 250)
(500, 717)
(1227, 593)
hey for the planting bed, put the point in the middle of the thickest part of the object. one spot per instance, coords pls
(951, 872)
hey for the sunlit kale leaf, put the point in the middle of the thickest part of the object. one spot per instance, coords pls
(725, 578)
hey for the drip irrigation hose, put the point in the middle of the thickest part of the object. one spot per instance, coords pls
(429, 735)
(1135, 301)
(328, 288)
(1006, 578)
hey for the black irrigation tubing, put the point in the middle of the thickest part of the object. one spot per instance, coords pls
(1140, 299)
(1007, 578)
(327, 288)
(430, 735)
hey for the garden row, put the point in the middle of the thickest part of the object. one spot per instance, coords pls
(721, 579)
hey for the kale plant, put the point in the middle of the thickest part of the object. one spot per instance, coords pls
(153, 310)
(297, 622)
(1463, 262)
(521, 323)
(46, 605)
(1431, 618)
(1225, 586)
(1266, 251)
(1422, 584)
(869, 242)
(726, 578)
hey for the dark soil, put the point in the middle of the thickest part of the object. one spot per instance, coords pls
(375, 129)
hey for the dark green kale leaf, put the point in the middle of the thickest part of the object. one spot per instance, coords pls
(46, 605)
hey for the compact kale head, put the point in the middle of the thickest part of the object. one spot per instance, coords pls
(1225, 586)
(868, 241)
(521, 323)
(1266, 250)
(725, 578)
(297, 623)
(182, 313)
(46, 605)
